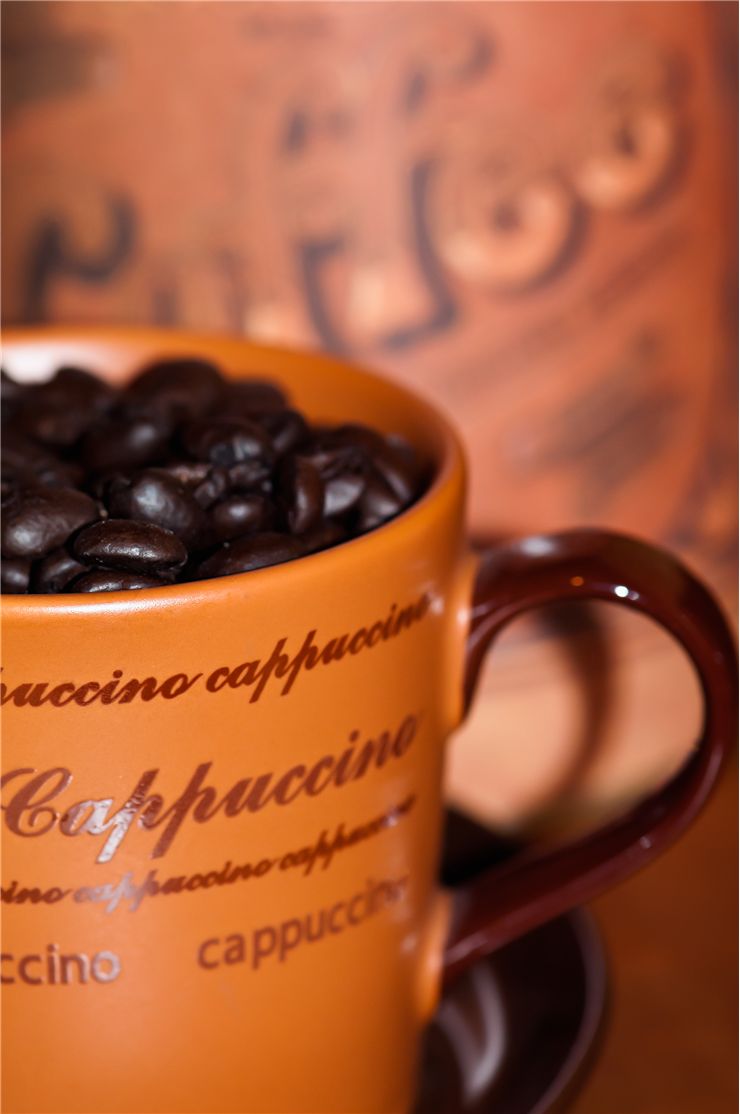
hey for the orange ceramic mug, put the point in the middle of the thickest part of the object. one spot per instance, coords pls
(222, 800)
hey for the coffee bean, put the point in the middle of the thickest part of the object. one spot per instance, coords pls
(388, 459)
(126, 443)
(342, 492)
(15, 573)
(212, 487)
(378, 504)
(188, 472)
(10, 389)
(287, 430)
(42, 519)
(248, 475)
(324, 536)
(332, 460)
(182, 388)
(21, 455)
(250, 553)
(155, 496)
(55, 571)
(238, 515)
(248, 397)
(300, 494)
(72, 386)
(132, 546)
(227, 441)
(112, 580)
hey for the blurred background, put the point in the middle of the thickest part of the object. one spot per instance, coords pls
(528, 212)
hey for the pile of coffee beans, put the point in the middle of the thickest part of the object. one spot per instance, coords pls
(182, 474)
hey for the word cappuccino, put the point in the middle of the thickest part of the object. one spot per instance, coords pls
(281, 663)
(30, 813)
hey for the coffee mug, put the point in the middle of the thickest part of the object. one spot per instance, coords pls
(222, 800)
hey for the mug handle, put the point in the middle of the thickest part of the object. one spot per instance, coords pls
(504, 903)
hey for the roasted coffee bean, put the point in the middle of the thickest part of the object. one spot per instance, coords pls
(342, 492)
(155, 496)
(250, 553)
(10, 389)
(227, 441)
(59, 411)
(50, 424)
(324, 536)
(20, 455)
(248, 475)
(126, 443)
(388, 460)
(238, 515)
(43, 518)
(54, 572)
(112, 580)
(333, 460)
(60, 473)
(72, 386)
(378, 504)
(253, 396)
(8, 492)
(15, 574)
(187, 472)
(300, 494)
(133, 546)
(287, 430)
(183, 388)
(215, 484)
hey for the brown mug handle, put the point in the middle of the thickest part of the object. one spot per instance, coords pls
(504, 903)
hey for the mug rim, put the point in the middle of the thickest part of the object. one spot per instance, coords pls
(449, 474)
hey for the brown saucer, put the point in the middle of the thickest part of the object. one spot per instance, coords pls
(513, 1034)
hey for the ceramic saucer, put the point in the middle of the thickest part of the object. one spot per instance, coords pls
(514, 1034)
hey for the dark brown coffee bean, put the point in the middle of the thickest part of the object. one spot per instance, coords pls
(15, 574)
(155, 496)
(10, 389)
(60, 473)
(126, 443)
(215, 484)
(134, 546)
(253, 396)
(112, 580)
(9, 492)
(248, 475)
(54, 572)
(59, 411)
(333, 460)
(227, 441)
(42, 519)
(287, 430)
(389, 461)
(238, 515)
(21, 455)
(300, 494)
(250, 553)
(342, 493)
(324, 536)
(378, 504)
(182, 387)
(187, 472)
(72, 386)
(51, 425)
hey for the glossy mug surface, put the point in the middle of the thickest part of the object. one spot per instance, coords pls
(222, 800)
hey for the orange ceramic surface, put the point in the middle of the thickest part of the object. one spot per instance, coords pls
(223, 800)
